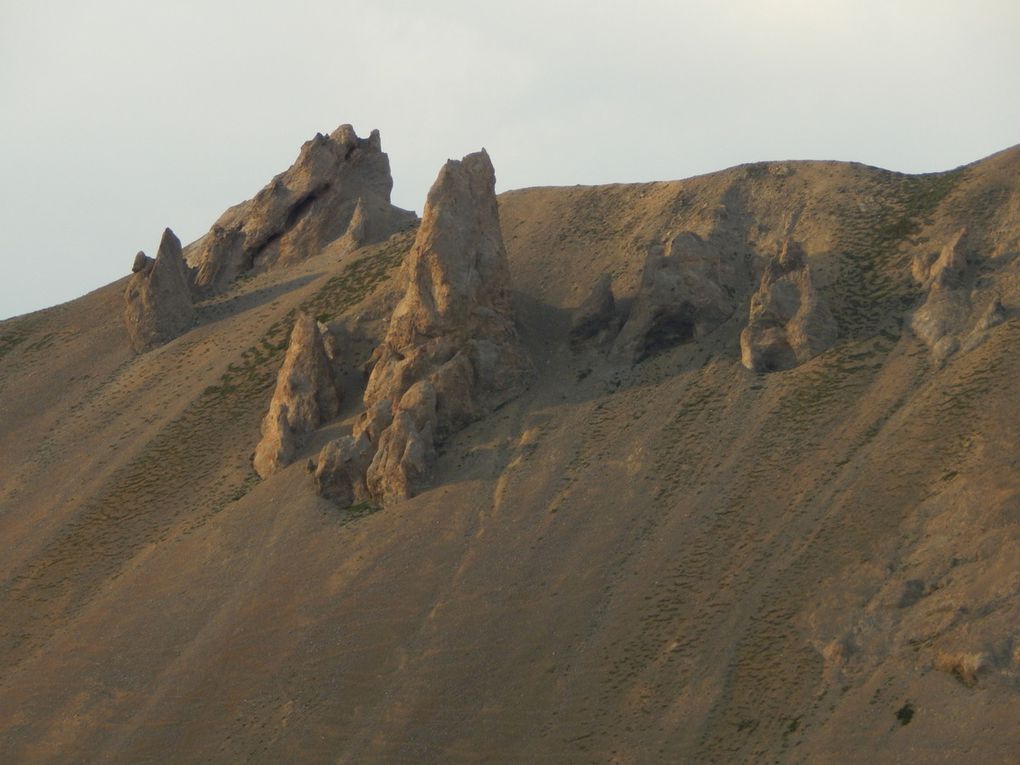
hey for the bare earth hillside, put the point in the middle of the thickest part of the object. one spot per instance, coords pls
(652, 555)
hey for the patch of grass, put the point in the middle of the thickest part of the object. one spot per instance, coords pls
(874, 288)
(191, 469)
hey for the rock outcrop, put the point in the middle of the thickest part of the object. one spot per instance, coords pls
(157, 301)
(595, 319)
(945, 269)
(789, 321)
(305, 397)
(943, 317)
(339, 186)
(341, 469)
(454, 325)
(687, 290)
(451, 352)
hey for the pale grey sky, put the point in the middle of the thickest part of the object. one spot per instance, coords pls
(122, 117)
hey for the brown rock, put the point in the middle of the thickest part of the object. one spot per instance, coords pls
(789, 321)
(305, 397)
(420, 404)
(402, 464)
(941, 321)
(685, 293)
(373, 421)
(457, 302)
(157, 300)
(944, 270)
(142, 263)
(340, 470)
(451, 351)
(337, 182)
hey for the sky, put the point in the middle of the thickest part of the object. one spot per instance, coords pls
(119, 118)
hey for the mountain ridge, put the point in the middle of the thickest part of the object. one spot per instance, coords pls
(672, 560)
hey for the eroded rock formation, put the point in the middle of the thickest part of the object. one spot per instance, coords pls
(687, 290)
(339, 186)
(451, 352)
(454, 325)
(305, 397)
(789, 320)
(941, 320)
(157, 300)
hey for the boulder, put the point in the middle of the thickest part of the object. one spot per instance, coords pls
(142, 263)
(157, 300)
(687, 290)
(940, 320)
(341, 468)
(596, 316)
(305, 397)
(789, 321)
(340, 183)
(403, 461)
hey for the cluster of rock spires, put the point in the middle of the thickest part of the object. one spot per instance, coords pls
(689, 288)
(338, 189)
(451, 354)
(306, 396)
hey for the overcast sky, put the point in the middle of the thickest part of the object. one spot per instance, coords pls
(120, 118)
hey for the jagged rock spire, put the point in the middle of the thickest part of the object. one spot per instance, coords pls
(157, 300)
(303, 209)
(451, 352)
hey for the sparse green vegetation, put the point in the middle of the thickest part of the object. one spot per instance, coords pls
(905, 713)
(873, 288)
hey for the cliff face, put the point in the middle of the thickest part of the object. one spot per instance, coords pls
(649, 553)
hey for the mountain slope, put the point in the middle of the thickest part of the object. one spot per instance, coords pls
(679, 560)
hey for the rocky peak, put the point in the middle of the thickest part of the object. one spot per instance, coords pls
(305, 397)
(304, 209)
(157, 300)
(451, 352)
(458, 271)
(455, 321)
(789, 321)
